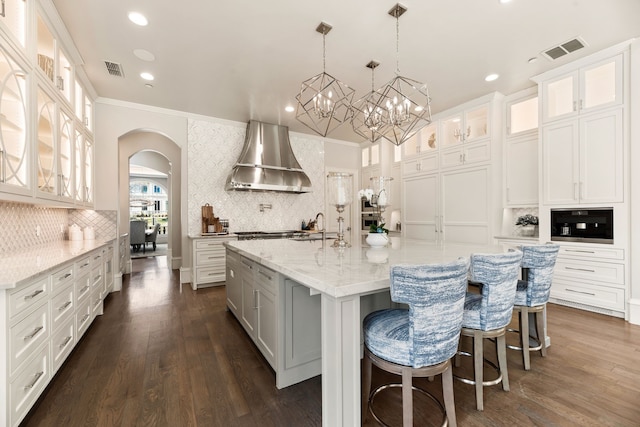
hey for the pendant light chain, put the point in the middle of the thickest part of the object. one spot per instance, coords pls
(397, 44)
(324, 51)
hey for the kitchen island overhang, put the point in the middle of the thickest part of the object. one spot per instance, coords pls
(340, 277)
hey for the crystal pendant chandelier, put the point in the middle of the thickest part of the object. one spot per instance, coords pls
(367, 116)
(324, 103)
(404, 103)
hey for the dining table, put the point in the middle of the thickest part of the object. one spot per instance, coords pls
(343, 276)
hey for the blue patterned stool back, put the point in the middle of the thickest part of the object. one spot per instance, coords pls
(539, 261)
(498, 274)
(435, 295)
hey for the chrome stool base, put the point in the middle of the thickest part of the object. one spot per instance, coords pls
(473, 382)
(373, 394)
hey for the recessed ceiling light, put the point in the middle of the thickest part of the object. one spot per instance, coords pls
(138, 18)
(289, 109)
(491, 77)
(504, 1)
(146, 76)
(145, 55)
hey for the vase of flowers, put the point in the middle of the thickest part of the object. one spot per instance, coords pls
(528, 224)
(379, 197)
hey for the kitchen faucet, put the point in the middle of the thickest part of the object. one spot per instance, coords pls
(324, 227)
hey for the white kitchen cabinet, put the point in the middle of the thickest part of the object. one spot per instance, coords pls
(465, 206)
(582, 159)
(471, 124)
(208, 261)
(583, 90)
(591, 278)
(371, 155)
(421, 207)
(466, 154)
(233, 283)
(420, 165)
(425, 141)
(521, 171)
(13, 20)
(521, 111)
(281, 316)
(14, 149)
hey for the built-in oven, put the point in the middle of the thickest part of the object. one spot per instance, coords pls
(366, 206)
(368, 219)
(588, 225)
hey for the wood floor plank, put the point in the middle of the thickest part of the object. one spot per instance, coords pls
(158, 357)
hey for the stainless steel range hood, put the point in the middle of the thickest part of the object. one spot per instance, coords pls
(267, 162)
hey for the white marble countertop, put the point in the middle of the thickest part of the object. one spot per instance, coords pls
(21, 266)
(356, 270)
(212, 236)
(523, 238)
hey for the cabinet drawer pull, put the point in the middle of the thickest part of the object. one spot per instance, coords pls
(580, 251)
(95, 279)
(34, 333)
(84, 265)
(35, 381)
(580, 269)
(83, 290)
(96, 257)
(2, 12)
(64, 277)
(65, 305)
(214, 257)
(255, 299)
(33, 295)
(248, 265)
(265, 274)
(84, 318)
(580, 292)
(66, 341)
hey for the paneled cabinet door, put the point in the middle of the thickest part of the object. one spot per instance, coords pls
(521, 171)
(465, 205)
(582, 159)
(14, 164)
(421, 207)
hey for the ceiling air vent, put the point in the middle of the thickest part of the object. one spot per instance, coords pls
(114, 68)
(563, 49)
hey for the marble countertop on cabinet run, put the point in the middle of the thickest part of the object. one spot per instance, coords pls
(18, 267)
(533, 239)
(351, 271)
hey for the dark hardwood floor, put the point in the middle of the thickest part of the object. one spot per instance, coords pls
(161, 358)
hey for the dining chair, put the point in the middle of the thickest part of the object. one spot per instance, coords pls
(532, 294)
(418, 341)
(487, 315)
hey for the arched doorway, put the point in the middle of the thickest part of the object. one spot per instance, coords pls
(138, 141)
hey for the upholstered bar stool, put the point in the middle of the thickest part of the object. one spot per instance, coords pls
(418, 341)
(487, 315)
(532, 295)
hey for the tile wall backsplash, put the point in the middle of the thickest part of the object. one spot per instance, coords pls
(18, 223)
(213, 151)
(102, 222)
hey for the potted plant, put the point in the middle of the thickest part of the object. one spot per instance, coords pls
(528, 224)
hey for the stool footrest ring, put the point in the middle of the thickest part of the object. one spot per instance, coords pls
(445, 421)
(484, 383)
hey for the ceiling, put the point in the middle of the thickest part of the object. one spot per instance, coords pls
(245, 59)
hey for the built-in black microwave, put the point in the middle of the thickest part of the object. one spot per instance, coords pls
(588, 225)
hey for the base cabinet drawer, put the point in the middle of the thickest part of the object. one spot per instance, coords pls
(210, 274)
(83, 318)
(26, 387)
(27, 335)
(62, 307)
(590, 270)
(583, 293)
(23, 299)
(62, 343)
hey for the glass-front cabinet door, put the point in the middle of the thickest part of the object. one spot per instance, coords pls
(46, 50)
(13, 18)
(88, 113)
(466, 127)
(14, 168)
(66, 156)
(79, 167)
(591, 87)
(423, 141)
(47, 148)
(64, 80)
(88, 170)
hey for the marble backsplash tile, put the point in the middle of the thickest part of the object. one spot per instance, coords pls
(18, 222)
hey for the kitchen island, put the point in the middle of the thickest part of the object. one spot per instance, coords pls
(341, 278)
